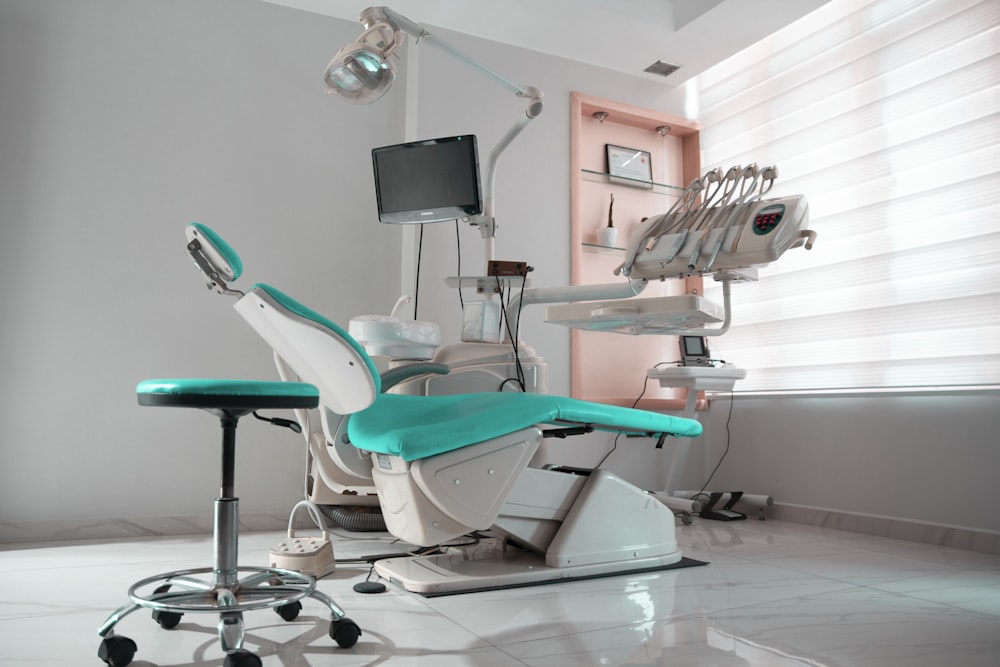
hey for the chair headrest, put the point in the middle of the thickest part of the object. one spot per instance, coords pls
(213, 256)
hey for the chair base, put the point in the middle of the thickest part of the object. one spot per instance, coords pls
(203, 590)
(448, 574)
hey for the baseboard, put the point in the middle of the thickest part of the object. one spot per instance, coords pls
(21, 532)
(956, 537)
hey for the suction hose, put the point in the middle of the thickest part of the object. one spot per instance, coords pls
(362, 519)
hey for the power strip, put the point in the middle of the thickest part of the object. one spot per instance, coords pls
(506, 269)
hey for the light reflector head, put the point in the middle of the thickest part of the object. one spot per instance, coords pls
(361, 71)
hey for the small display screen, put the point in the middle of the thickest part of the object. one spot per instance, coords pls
(428, 181)
(694, 346)
(694, 351)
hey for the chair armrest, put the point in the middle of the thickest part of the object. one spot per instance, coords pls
(394, 376)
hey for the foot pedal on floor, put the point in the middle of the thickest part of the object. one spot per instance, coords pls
(308, 555)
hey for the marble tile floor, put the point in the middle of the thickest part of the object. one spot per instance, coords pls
(774, 594)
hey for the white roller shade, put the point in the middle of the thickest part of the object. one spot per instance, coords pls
(884, 113)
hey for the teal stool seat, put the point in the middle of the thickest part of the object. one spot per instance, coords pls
(226, 588)
(238, 395)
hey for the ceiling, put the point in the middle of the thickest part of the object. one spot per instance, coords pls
(624, 35)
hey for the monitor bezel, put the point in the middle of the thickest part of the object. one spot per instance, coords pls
(455, 211)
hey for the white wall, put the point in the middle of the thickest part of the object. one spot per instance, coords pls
(929, 458)
(120, 122)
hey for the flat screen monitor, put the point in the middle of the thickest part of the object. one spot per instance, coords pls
(428, 181)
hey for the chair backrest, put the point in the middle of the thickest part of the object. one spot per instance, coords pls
(316, 349)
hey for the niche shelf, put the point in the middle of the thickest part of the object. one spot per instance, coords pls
(653, 187)
(610, 367)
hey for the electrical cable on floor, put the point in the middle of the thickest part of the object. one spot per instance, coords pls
(471, 540)
(729, 435)
(370, 587)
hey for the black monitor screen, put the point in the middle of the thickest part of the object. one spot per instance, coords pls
(428, 181)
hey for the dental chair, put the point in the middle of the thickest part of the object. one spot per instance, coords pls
(448, 466)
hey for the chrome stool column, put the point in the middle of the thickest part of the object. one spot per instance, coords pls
(226, 588)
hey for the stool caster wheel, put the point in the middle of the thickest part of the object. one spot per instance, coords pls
(345, 632)
(116, 651)
(290, 611)
(167, 619)
(242, 658)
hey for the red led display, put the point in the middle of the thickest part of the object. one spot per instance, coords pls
(766, 220)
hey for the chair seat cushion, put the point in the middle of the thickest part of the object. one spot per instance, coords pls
(415, 427)
(228, 394)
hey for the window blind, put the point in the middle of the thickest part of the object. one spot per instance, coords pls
(884, 114)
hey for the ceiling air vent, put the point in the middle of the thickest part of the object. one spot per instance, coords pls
(662, 68)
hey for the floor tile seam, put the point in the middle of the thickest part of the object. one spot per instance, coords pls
(185, 564)
(699, 614)
(770, 563)
(763, 552)
(61, 611)
(500, 645)
(845, 586)
(705, 612)
(871, 589)
(500, 648)
(911, 596)
(799, 570)
(954, 568)
(428, 604)
(768, 560)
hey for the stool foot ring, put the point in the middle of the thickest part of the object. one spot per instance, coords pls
(258, 588)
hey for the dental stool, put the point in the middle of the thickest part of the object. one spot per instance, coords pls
(226, 588)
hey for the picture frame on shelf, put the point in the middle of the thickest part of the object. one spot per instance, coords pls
(629, 166)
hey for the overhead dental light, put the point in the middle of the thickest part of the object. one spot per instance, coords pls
(363, 70)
